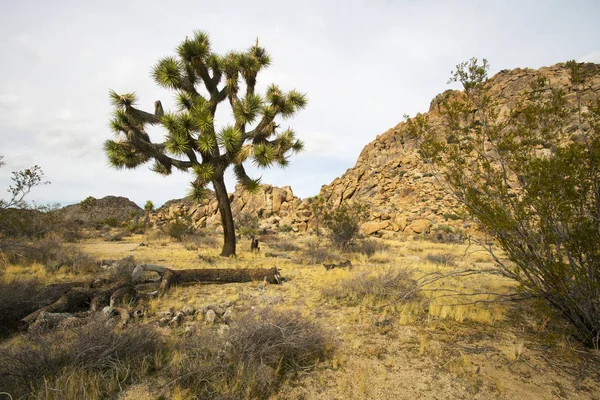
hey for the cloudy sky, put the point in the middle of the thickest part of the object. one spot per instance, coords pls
(362, 64)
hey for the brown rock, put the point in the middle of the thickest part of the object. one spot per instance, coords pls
(369, 228)
(420, 226)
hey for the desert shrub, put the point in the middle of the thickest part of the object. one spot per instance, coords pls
(18, 298)
(252, 359)
(39, 364)
(447, 234)
(343, 223)
(113, 222)
(388, 285)
(179, 228)
(51, 252)
(247, 224)
(451, 216)
(368, 247)
(285, 245)
(285, 228)
(198, 241)
(315, 253)
(530, 179)
(442, 259)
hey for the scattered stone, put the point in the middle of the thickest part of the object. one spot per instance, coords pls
(210, 317)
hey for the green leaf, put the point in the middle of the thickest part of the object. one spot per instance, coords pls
(123, 155)
(246, 110)
(205, 143)
(184, 101)
(169, 121)
(264, 155)
(122, 100)
(275, 95)
(230, 139)
(188, 123)
(178, 143)
(205, 172)
(298, 146)
(197, 191)
(161, 169)
(167, 73)
(261, 55)
(298, 99)
(196, 48)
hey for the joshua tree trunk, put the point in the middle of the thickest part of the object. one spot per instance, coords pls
(226, 217)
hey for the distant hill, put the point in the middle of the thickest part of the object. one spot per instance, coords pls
(107, 207)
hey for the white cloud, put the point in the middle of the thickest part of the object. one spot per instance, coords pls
(593, 57)
(362, 64)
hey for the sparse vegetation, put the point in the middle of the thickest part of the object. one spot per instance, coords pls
(530, 178)
(247, 224)
(93, 361)
(252, 360)
(387, 285)
(343, 223)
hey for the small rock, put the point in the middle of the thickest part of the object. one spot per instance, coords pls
(188, 310)
(176, 321)
(223, 329)
(227, 315)
(210, 317)
(163, 322)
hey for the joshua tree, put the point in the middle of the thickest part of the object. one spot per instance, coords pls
(201, 80)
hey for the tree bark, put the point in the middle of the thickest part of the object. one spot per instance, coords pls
(221, 275)
(226, 217)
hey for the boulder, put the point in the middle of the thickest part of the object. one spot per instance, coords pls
(369, 228)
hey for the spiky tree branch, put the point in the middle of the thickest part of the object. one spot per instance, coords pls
(192, 142)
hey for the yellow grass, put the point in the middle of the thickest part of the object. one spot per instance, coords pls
(431, 346)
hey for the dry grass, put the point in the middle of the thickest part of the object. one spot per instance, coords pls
(441, 344)
(93, 361)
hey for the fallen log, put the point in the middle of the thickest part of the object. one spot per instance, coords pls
(117, 295)
(221, 275)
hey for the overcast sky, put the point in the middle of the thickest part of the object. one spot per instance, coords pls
(362, 64)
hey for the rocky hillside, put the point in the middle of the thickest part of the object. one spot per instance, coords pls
(388, 176)
(397, 185)
(109, 207)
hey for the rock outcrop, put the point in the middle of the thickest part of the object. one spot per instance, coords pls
(276, 208)
(401, 192)
(390, 177)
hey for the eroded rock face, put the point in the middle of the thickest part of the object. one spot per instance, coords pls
(402, 194)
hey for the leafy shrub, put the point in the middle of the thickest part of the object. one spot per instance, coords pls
(50, 362)
(111, 221)
(52, 253)
(343, 223)
(199, 240)
(285, 228)
(285, 245)
(530, 179)
(389, 285)
(247, 224)
(179, 228)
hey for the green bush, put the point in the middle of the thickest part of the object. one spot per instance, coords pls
(530, 179)
(343, 223)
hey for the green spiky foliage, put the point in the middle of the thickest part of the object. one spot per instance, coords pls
(201, 81)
